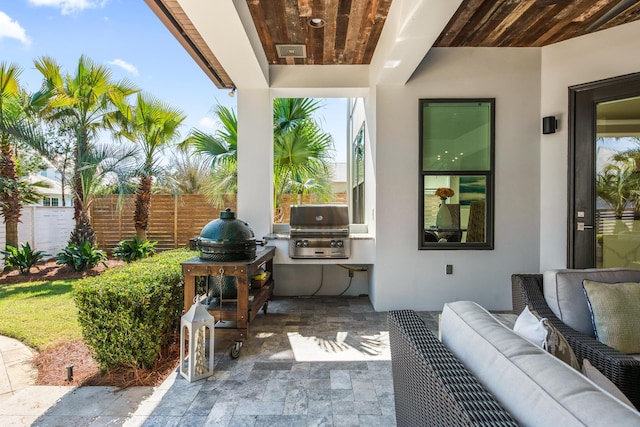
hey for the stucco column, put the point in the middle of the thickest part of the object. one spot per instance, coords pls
(255, 159)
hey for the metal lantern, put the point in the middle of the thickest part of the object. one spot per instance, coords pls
(196, 361)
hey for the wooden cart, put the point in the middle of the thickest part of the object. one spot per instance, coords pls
(233, 316)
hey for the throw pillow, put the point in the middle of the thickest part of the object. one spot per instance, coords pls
(530, 328)
(558, 345)
(615, 313)
(538, 330)
(605, 383)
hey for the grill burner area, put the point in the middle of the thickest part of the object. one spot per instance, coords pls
(319, 231)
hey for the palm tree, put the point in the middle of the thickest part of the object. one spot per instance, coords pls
(301, 151)
(616, 184)
(221, 150)
(153, 125)
(190, 173)
(15, 125)
(301, 158)
(87, 100)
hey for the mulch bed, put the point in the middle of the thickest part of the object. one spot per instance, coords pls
(52, 363)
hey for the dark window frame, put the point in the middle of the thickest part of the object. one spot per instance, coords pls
(488, 244)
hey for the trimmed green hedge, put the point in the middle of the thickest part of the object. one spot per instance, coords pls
(129, 313)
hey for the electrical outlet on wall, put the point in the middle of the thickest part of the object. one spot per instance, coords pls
(449, 269)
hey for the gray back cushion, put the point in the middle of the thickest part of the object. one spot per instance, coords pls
(536, 388)
(564, 293)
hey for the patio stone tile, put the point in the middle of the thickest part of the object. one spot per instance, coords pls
(272, 366)
(243, 421)
(63, 420)
(108, 421)
(190, 420)
(84, 402)
(319, 407)
(276, 390)
(346, 421)
(340, 380)
(319, 394)
(295, 403)
(326, 421)
(367, 408)
(342, 395)
(377, 421)
(221, 413)
(251, 407)
(343, 407)
(363, 391)
(281, 421)
(161, 421)
(127, 401)
(315, 383)
(266, 385)
(202, 403)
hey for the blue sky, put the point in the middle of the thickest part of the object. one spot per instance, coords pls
(126, 36)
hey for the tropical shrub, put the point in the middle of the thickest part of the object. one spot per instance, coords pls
(128, 314)
(22, 259)
(131, 250)
(81, 257)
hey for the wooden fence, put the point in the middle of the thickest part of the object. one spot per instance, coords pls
(173, 220)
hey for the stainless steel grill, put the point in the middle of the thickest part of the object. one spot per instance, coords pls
(319, 231)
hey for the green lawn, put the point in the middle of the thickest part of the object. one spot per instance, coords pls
(40, 314)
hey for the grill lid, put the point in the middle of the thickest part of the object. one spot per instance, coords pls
(319, 218)
(226, 239)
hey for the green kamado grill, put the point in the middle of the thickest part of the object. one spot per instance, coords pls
(227, 239)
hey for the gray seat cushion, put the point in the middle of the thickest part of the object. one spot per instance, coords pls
(532, 385)
(565, 296)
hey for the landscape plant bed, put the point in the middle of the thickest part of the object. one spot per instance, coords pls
(50, 271)
(52, 361)
(52, 368)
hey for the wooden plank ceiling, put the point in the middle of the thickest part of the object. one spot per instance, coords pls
(350, 34)
(353, 27)
(532, 23)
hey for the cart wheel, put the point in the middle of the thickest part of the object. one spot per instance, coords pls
(265, 307)
(235, 350)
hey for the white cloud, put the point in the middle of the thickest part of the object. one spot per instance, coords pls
(69, 6)
(207, 124)
(12, 29)
(125, 66)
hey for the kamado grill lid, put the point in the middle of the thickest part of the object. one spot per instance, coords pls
(226, 239)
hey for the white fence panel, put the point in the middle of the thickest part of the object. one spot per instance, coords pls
(46, 228)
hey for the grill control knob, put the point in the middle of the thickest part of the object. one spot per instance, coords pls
(339, 243)
(332, 244)
(305, 243)
(298, 244)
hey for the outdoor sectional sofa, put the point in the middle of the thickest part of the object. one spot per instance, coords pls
(558, 295)
(482, 373)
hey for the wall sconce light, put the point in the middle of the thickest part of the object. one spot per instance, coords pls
(549, 125)
(232, 92)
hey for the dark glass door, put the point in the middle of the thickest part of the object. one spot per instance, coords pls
(604, 174)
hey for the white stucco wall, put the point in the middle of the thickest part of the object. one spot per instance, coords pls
(408, 278)
(255, 160)
(597, 56)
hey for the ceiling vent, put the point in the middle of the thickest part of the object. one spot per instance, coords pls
(291, 50)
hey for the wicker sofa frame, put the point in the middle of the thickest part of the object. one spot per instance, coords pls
(621, 369)
(431, 386)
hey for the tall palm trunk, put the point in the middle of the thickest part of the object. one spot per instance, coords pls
(143, 205)
(11, 206)
(83, 231)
